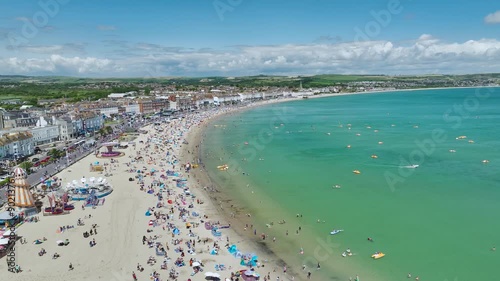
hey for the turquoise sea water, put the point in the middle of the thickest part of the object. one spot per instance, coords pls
(437, 221)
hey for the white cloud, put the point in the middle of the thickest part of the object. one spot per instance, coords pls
(56, 64)
(423, 55)
(51, 49)
(493, 18)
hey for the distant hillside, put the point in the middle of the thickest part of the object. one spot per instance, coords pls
(259, 80)
(32, 88)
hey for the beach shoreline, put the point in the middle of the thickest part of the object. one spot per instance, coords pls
(122, 222)
(225, 208)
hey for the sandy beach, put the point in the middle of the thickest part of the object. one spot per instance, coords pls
(127, 240)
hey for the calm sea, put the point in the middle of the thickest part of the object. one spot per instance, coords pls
(437, 221)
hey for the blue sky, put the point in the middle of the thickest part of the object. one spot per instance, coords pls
(125, 38)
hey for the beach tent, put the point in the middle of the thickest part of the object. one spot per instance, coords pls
(232, 249)
(253, 261)
(212, 274)
(148, 213)
(176, 231)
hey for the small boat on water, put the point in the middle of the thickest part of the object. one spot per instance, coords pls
(374, 156)
(336, 231)
(485, 161)
(378, 255)
(224, 167)
(357, 172)
(348, 146)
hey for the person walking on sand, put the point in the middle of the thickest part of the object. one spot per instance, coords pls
(134, 276)
(71, 266)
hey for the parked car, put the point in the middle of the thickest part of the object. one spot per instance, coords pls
(35, 160)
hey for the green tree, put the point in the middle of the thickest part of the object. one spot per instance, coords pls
(26, 165)
(102, 132)
(55, 153)
(108, 130)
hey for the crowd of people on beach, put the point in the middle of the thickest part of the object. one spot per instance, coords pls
(179, 245)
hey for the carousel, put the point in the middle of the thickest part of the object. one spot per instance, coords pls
(109, 153)
(59, 204)
(90, 190)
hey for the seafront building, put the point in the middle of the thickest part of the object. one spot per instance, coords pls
(56, 120)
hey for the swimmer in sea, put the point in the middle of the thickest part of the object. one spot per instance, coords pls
(370, 239)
